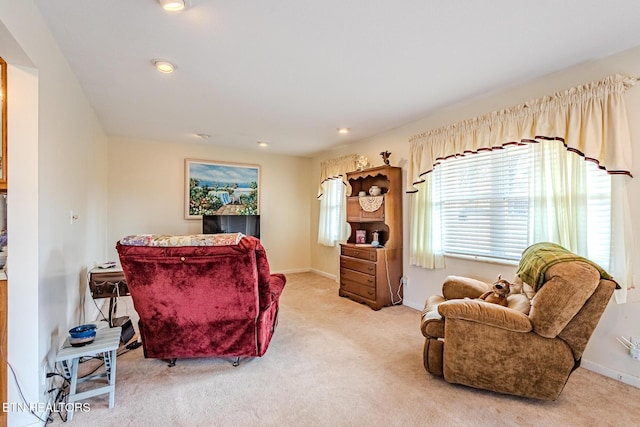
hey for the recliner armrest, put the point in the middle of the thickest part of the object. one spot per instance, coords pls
(486, 313)
(455, 287)
(431, 316)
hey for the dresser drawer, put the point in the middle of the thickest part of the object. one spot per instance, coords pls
(358, 289)
(366, 267)
(357, 277)
(367, 254)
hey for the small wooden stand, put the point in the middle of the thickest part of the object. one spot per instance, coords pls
(106, 342)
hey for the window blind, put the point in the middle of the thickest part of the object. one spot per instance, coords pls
(484, 203)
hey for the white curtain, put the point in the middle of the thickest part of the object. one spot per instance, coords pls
(590, 120)
(560, 208)
(558, 203)
(337, 168)
(425, 237)
(333, 227)
(622, 246)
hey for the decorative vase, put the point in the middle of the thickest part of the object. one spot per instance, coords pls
(375, 190)
(375, 239)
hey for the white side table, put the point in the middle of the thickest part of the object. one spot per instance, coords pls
(106, 342)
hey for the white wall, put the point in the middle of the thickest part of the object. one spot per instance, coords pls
(603, 353)
(56, 162)
(146, 195)
(23, 342)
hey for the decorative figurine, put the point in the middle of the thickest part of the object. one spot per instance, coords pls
(385, 157)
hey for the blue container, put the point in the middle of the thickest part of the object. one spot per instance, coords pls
(83, 331)
(81, 335)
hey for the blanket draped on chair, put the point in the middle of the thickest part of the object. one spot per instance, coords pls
(537, 258)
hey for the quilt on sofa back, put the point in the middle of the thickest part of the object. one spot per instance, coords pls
(170, 240)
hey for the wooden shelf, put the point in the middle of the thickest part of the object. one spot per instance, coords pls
(371, 275)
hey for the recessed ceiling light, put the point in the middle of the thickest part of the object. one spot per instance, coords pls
(343, 130)
(262, 144)
(173, 5)
(163, 66)
(203, 135)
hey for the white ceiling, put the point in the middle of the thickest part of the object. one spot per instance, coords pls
(290, 72)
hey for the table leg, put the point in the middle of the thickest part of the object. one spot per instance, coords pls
(112, 309)
(110, 358)
(72, 372)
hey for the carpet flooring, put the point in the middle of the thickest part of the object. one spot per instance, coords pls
(334, 362)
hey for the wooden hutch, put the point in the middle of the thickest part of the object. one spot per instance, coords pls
(368, 274)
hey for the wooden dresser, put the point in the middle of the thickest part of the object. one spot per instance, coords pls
(363, 275)
(368, 274)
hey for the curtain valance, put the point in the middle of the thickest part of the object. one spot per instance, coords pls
(337, 168)
(590, 119)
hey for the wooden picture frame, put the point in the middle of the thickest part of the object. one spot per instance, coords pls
(220, 188)
(3, 125)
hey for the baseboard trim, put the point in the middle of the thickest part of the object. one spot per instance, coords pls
(308, 270)
(411, 304)
(292, 271)
(325, 274)
(629, 379)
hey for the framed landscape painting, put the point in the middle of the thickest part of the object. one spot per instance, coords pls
(218, 188)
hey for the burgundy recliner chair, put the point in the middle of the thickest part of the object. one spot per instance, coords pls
(201, 295)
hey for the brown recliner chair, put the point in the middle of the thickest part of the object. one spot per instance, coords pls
(516, 350)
